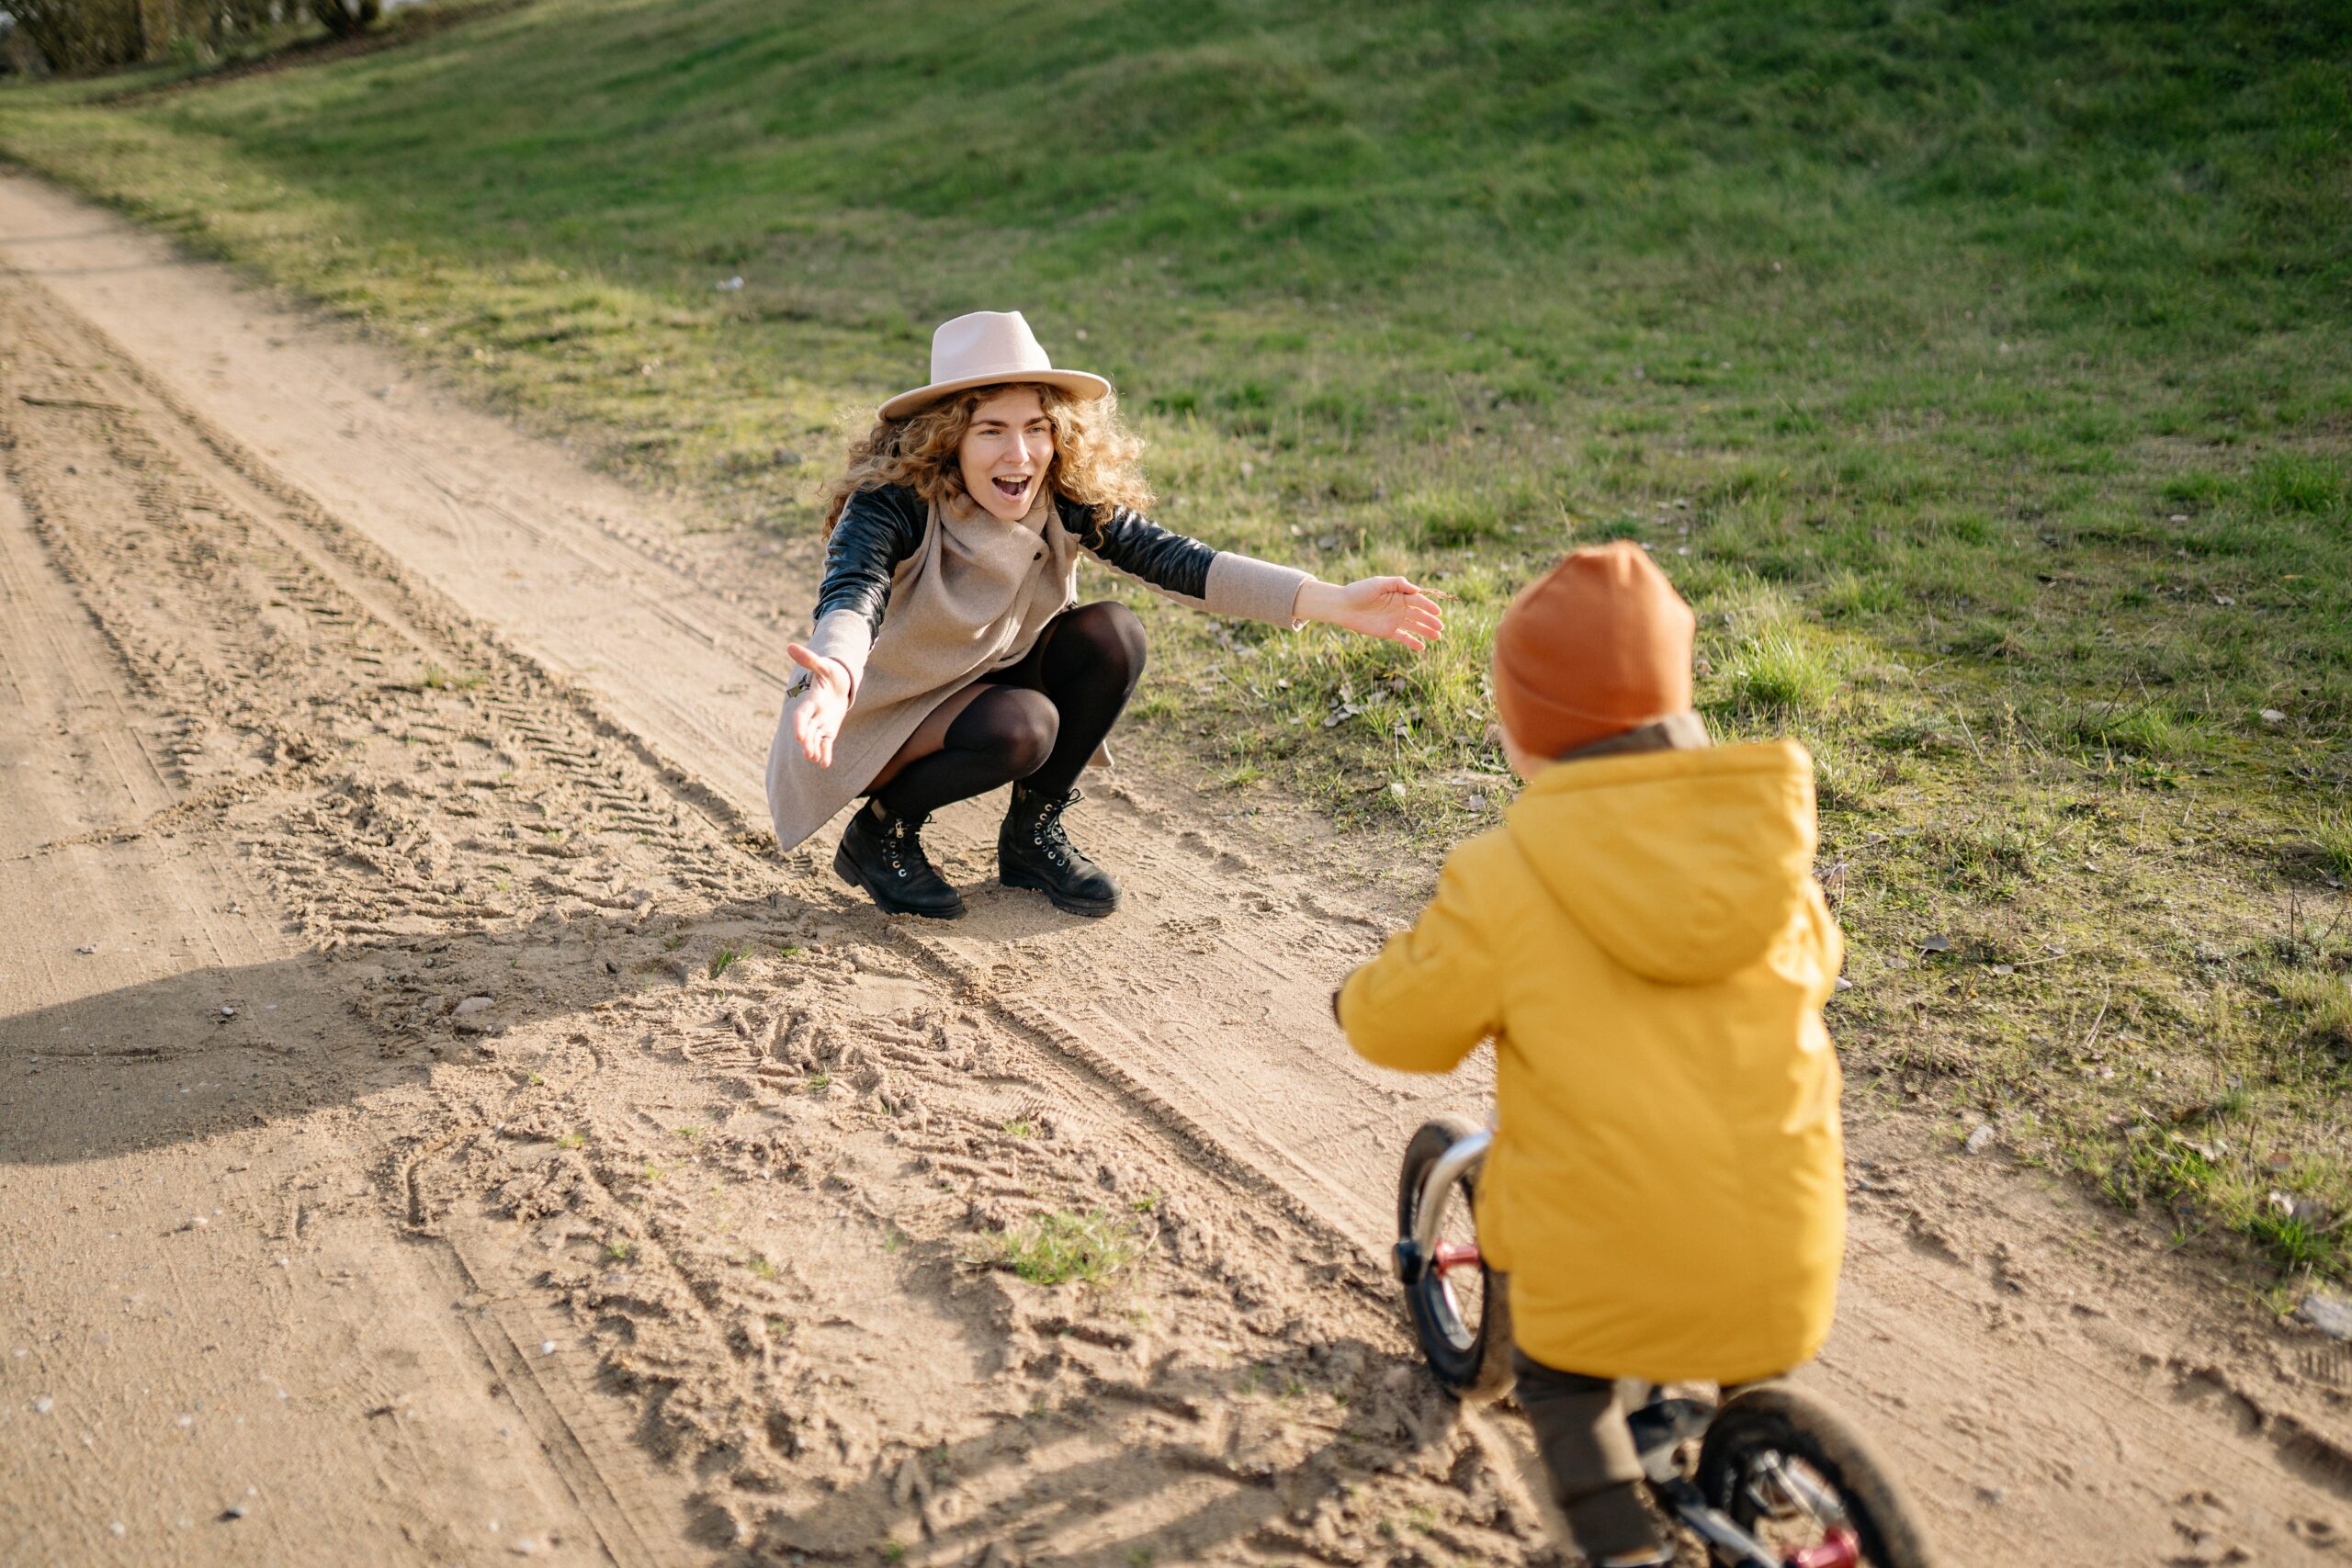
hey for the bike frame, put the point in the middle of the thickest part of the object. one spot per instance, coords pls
(1421, 1251)
(1416, 1254)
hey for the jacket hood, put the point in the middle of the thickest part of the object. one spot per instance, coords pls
(1681, 865)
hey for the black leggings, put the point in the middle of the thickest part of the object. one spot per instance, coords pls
(1039, 720)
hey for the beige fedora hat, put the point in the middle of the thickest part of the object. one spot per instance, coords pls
(984, 347)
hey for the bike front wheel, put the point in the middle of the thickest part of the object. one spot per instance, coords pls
(1459, 1307)
(1790, 1470)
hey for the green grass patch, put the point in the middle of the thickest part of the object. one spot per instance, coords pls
(1066, 1245)
(2318, 1005)
(2329, 829)
(436, 679)
(1779, 677)
(722, 960)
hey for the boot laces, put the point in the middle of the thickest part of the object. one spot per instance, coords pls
(902, 849)
(1047, 833)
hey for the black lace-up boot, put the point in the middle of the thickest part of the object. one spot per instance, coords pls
(1032, 851)
(883, 854)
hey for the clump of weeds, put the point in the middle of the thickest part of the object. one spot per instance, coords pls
(1065, 1244)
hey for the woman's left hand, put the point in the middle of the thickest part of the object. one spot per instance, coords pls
(1388, 607)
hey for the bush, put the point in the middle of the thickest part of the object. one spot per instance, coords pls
(76, 35)
(80, 37)
(342, 17)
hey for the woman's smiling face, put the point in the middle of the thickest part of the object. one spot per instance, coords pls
(1005, 452)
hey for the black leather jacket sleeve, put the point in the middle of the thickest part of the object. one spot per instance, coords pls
(1128, 541)
(876, 530)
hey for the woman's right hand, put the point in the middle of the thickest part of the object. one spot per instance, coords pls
(821, 704)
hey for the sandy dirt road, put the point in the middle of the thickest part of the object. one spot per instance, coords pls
(405, 779)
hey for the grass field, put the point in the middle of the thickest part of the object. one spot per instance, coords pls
(1984, 374)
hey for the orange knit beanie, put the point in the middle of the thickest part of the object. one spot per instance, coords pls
(1601, 645)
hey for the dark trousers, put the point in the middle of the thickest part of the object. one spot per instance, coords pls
(1588, 1455)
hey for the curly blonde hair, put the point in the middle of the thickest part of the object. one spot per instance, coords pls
(1095, 454)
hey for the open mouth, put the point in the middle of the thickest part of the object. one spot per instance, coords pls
(1012, 489)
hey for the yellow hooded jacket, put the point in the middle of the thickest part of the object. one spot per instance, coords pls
(1645, 942)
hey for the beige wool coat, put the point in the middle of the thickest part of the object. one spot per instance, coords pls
(972, 598)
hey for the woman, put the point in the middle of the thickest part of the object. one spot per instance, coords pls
(961, 515)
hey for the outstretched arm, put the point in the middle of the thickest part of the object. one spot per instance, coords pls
(1225, 583)
(1432, 993)
(876, 531)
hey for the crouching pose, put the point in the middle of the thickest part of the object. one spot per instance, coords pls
(1644, 941)
(950, 656)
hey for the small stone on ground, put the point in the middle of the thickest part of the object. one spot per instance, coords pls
(2331, 1315)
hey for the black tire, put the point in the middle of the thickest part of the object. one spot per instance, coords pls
(1467, 1343)
(1774, 1418)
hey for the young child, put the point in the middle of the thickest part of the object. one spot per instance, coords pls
(1645, 943)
